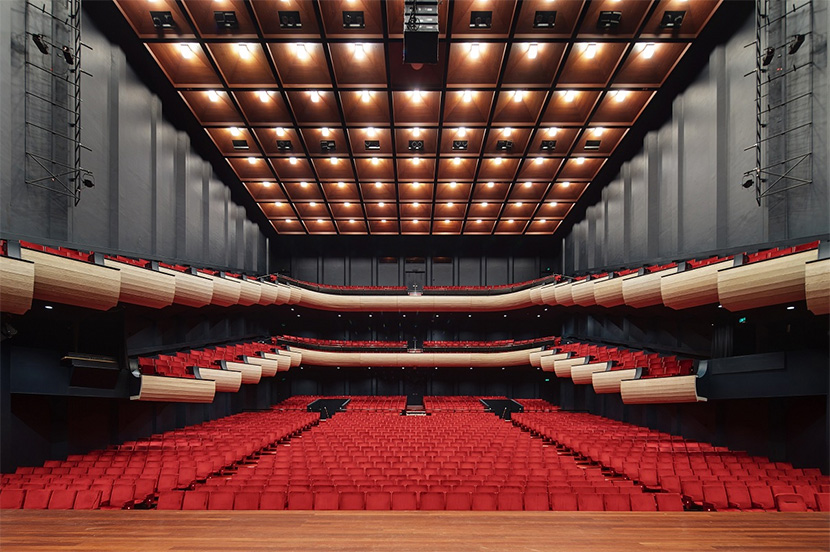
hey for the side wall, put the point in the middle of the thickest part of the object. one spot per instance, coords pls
(681, 195)
(154, 196)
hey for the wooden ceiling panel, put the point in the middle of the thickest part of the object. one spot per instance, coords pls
(621, 107)
(649, 64)
(453, 191)
(212, 107)
(542, 227)
(311, 210)
(696, 15)
(365, 107)
(376, 169)
(518, 137)
(415, 210)
(479, 226)
(342, 192)
(484, 210)
(416, 169)
(243, 64)
(277, 209)
(263, 107)
(467, 107)
(609, 139)
(265, 190)
(315, 137)
(563, 137)
(533, 63)
(381, 210)
(336, 13)
(632, 13)
(539, 168)
(269, 138)
(569, 107)
(185, 64)
(474, 64)
(428, 135)
(233, 141)
(351, 226)
(510, 226)
(528, 191)
(581, 168)
(333, 168)
(416, 108)
(498, 168)
(501, 14)
(456, 168)
(473, 137)
(415, 191)
(140, 19)
(383, 226)
(447, 226)
(567, 14)
(303, 191)
(490, 191)
(554, 209)
(252, 168)
(301, 64)
(288, 226)
(565, 190)
(313, 107)
(415, 227)
(379, 191)
(359, 64)
(293, 168)
(518, 107)
(320, 226)
(590, 64)
(270, 14)
(203, 15)
(359, 137)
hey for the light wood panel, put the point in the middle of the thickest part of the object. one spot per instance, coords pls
(562, 294)
(191, 290)
(547, 362)
(250, 292)
(165, 389)
(166, 531)
(295, 294)
(765, 283)
(583, 293)
(283, 360)
(609, 382)
(609, 292)
(296, 358)
(460, 360)
(643, 291)
(562, 368)
(251, 373)
(226, 291)
(675, 389)
(226, 381)
(817, 286)
(270, 366)
(583, 374)
(408, 303)
(17, 285)
(536, 295)
(692, 288)
(142, 286)
(269, 293)
(548, 294)
(283, 294)
(535, 356)
(73, 282)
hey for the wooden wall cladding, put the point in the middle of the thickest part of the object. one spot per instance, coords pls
(267, 367)
(609, 292)
(563, 294)
(164, 389)
(536, 296)
(764, 283)
(583, 374)
(73, 282)
(406, 303)
(548, 293)
(562, 368)
(296, 358)
(609, 382)
(410, 360)
(251, 373)
(817, 286)
(535, 357)
(226, 291)
(692, 288)
(547, 362)
(17, 283)
(250, 292)
(583, 293)
(145, 287)
(226, 381)
(191, 290)
(283, 360)
(676, 389)
(268, 293)
(643, 291)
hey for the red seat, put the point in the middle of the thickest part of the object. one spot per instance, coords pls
(737, 495)
(378, 500)
(12, 499)
(510, 501)
(808, 493)
(62, 499)
(404, 500)
(458, 500)
(275, 500)
(716, 496)
(536, 501)
(484, 501)
(352, 500)
(761, 496)
(668, 502)
(246, 500)
(220, 500)
(642, 502)
(563, 502)
(823, 502)
(325, 500)
(37, 499)
(790, 503)
(87, 499)
(195, 500)
(431, 500)
(590, 502)
(616, 502)
(170, 500)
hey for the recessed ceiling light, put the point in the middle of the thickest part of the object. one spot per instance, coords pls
(518, 95)
(532, 50)
(518, 204)
(415, 95)
(383, 221)
(456, 160)
(566, 184)
(416, 160)
(416, 132)
(359, 51)
(553, 204)
(506, 132)
(528, 184)
(304, 184)
(243, 50)
(319, 221)
(498, 160)
(450, 204)
(416, 221)
(484, 204)
(292, 160)
(313, 204)
(314, 95)
(619, 95)
(278, 204)
(648, 50)
(301, 51)
(252, 160)
(590, 51)
(475, 50)
(580, 160)
(213, 95)
(491, 184)
(187, 50)
(381, 204)
(478, 221)
(375, 160)
(467, 96)
(446, 221)
(333, 160)
(378, 185)
(461, 132)
(287, 220)
(539, 160)
(235, 131)
(351, 221)
(365, 96)
(543, 221)
(280, 131)
(552, 131)
(416, 204)
(371, 131)
(453, 184)
(263, 96)
(266, 184)
(569, 95)
(326, 132)
(341, 184)
(511, 221)
(598, 131)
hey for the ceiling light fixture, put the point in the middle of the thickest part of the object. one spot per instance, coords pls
(266, 184)
(416, 221)
(539, 160)
(341, 184)
(461, 132)
(303, 184)
(478, 221)
(301, 51)
(416, 160)
(491, 184)
(360, 51)
(506, 132)
(569, 95)
(591, 50)
(187, 50)
(580, 160)
(446, 221)
(648, 50)
(235, 131)
(375, 160)
(467, 96)
(378, 185)
(365, 96)
(252, 160)
(280, 131)
(518, 95)
(244, 50)
(553, 204)
(484, 204)
(278, 204)
(381, 204)
(292, 160)
(518, 204)
(598, 131)
(416, 132)
(383, 221)
(528, 184)
(288, 220)
(543, 221)
(456, 160)
(453, 184)
(314, 95)
(450, 204)
(566, 184)
(416, 96)
(326, 132)
(371, 132)
(333, 160)
(475, 50)
(532, 50)
(263, 96)
(498, 160)
(347, 204)
(213, 95)
(619, 95)
(313, 204)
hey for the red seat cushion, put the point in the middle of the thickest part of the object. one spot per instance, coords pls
(668, 502)
(790, 503)
(246, 500)
(276, 500)
(378, 500)
(12, 499)
(642, 502)
(170, 500)
(431, 500)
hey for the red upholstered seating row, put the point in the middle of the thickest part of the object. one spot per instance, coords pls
(180, 364)
(654, 365)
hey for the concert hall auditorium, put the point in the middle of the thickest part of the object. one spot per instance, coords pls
(414, 275)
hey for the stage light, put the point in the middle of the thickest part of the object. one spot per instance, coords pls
(569, 95)
(798, 40)
(748, 183)
(467, 96)
(590, 51)
(213, 95)
(314, 95)
(648, 50)
(244, 51)
(769, 53)
(532, 51)
(40, 43)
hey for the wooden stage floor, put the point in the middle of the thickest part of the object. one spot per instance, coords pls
(113, 531)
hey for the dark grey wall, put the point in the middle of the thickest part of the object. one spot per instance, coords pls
(154, 196)
(681, 195)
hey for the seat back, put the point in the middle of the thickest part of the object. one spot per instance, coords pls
(510, 501)
(590, 502)
(37, 499)
(790, 502)
(276, 500)
(484, 501)
(12, 499)
(62, 499)
(352, 500)
(642, 502)
(195, 500)
(536, 501)
(668, 502)
(170, 500)
(378, 500)
(404, 500)
(220, 500)
(432, 500)
(247, 500)
(761, 497)
(563, 502)
(616, 502)
(325, 500)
